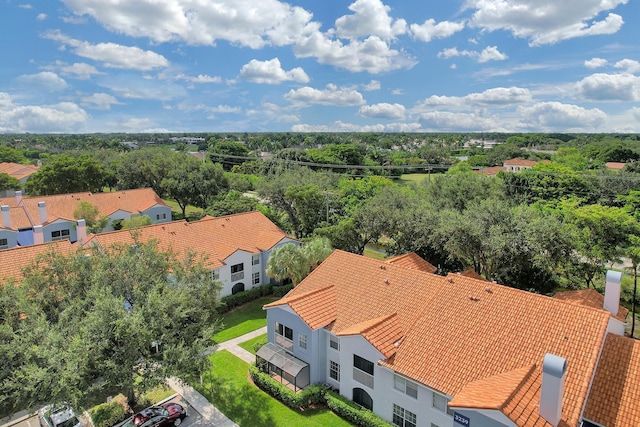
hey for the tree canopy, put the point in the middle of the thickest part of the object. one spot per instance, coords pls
(66, 174)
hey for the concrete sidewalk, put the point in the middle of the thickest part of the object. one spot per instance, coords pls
(233, 347)
(210, 414)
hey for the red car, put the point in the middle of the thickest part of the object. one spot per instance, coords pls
(167, 414)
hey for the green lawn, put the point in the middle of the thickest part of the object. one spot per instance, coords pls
(416, 178)
(228, 388)
(248, 345)
(241, 320)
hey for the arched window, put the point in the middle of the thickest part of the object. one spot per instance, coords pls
(238, 287)
(362, 398)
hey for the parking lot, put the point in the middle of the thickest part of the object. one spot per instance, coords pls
(29, 422)
(194, 419)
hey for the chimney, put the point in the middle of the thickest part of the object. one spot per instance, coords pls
(554, 370)
(612, 292)
(6, 218)
(82, 231)
(18, 198)
(42, 210)
(38, 235)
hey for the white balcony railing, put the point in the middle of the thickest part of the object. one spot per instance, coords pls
(363, 377)
(237, 276)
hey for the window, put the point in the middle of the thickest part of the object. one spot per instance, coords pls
(256, 278)
(404, 385)
(334, 343)
(302, 341)
(4, 243)
(284, 336)
(334, 370)
(255, 260)
(440, 403)
(59, 235)
(402, 417)
(238, 287)
(362, 398)
(363, 364)
(237, 268)
(161, 216)
(215, 274)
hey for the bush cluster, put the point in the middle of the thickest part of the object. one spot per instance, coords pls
(317, 394)
(353, 413)
(232, 301)
(107, 414)
(280, 291)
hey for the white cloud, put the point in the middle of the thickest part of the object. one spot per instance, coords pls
(46, 79)
(41, 16)
(595, 63)
(403, 127)
(271, 72)
(499, 97)
(111, 54)
(429, 30)
(25, 6)
(100, 101)
(555, 116)
(383, 111)
(629, 65)
(136, 124)
(79, 70)
(200, 78)
(489, 53)
(371, 17)
(61, 117)
(546, 21)
(372, 54)
(332, 95)
(337, 126)
(251, 23)
(636, 113)
(135, 87)
(288, 118)
(371, 86)
(397, 91)
(610, 87)
(448, 121)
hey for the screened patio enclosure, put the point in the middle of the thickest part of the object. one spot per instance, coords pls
(276, 361)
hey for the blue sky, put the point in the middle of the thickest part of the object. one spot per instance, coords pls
(81, 66)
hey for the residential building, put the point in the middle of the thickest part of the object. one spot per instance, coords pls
(236, 247)
(18, 171)
(518, 165)
(425, 350)
(13, 261)
(55, 214)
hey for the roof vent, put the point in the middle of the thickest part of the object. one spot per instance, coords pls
(488, 289)
(381, 266)
(386, 281)
(474, 298)
(449, 279)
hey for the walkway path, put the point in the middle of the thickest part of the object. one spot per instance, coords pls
(233, 347)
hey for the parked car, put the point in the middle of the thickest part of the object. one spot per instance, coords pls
(59, 416)
(167, 414)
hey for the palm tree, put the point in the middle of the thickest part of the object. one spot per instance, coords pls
(290, 261)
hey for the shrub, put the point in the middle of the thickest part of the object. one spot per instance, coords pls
(259, 344)
(312, 395)
(280, 291)
(231, 301)
(353, 413)
(107, 414)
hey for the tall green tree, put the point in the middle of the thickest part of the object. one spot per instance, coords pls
(7, 182)
(66, 174)
(294, 262)
(124, 318)
(91, 215)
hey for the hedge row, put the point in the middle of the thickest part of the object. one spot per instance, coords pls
(312, 395)
(317, 394)
(232, 301)
(353, 413)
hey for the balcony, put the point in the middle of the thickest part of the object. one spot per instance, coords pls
(237, 276)
(362, 377)
(286, 343)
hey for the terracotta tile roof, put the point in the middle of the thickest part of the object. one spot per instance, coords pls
(18, 217)
(615, 394)
(490, 171)
(519, 162)
(492, 392)
(615, 165)
(317, 307)
(15, 259)
(383, 333)
(458, 330)
(18, 171)
(412, 260)
(590, 298)
(217, 238)
(472, 274)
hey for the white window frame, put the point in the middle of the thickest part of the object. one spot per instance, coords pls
(4, 243)
(334, 370)
(61, 236)
(405, 386)
(161, 216)
(302, 341)
(405, 418)
(255, 259)
(215, 274)
(334, 340)
(256, 278)
(437, 402)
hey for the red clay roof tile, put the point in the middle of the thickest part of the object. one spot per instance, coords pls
(590, 298)
(412, 260)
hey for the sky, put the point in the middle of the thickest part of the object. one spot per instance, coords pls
(86, 66)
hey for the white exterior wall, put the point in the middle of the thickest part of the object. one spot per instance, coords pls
(237, 257)
(116, 216)
(156, 210)
(356, 344)
(10, 235)
(58, 225)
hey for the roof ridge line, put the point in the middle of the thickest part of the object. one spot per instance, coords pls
(532, 368)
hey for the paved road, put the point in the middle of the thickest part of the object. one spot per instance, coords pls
(28, 422)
